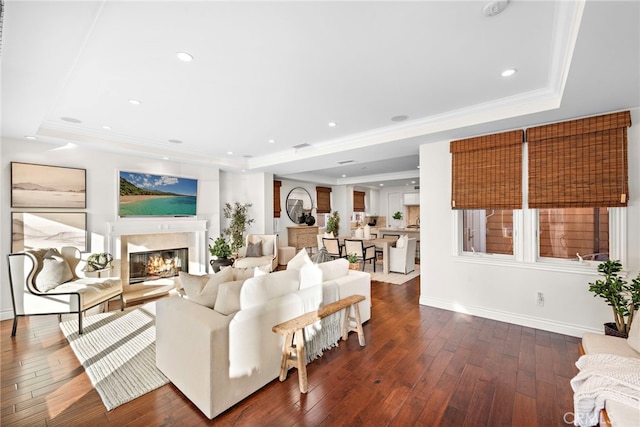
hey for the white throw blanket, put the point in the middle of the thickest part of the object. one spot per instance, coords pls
(322, 335)
(604, 377)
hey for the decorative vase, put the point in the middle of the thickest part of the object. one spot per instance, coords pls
(310, 220)
(611, 330)
(220, 262)
(354, 266)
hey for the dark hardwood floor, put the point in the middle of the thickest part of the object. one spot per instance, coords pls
(421, 366)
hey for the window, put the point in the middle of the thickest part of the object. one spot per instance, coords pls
(488, 231)
(577, 188)
(574, 232)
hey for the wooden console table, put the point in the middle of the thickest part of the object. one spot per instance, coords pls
(302, 236)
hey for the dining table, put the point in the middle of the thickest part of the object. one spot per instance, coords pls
(383, 243)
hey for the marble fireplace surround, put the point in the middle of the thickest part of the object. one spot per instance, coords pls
(148, 234)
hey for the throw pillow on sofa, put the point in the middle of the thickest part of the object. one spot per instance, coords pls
(243, 273)
(228, 301)
(203, 290)
(634, 336)
(300, 260)
(55, 271)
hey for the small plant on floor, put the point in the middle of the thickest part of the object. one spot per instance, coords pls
(352, 258)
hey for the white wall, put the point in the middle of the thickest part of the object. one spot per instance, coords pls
(254, 188)
(508, 292)
(102, 192)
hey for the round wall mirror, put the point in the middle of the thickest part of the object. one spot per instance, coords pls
(298, 203)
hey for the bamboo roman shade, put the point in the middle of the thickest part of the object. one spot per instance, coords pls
(579, 163)
(487, 172)
(358, 201)
(276, 198)
(323, 196)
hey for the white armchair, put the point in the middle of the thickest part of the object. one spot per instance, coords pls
(402, 257)
(268, 253)
(45, 281)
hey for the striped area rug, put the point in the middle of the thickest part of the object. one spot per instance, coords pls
(118, 352)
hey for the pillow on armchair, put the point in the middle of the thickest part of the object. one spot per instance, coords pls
(55, 271)
(254, 250)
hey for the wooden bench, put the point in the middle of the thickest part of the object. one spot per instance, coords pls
(293, 354)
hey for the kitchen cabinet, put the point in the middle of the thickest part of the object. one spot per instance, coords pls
(410, 199)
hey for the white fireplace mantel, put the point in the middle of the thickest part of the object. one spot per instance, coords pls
(131, 226)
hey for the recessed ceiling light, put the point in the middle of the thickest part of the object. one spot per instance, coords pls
(184, 56)
(508, 72)
(413, 182)
(381, 185)
(400, 118)
(333, 124)
(175, 141)
(243, 170)
(30, 137)
(272, 141)
(106, 127)
(229, 152)
(135, 102)
(494, 7)
(165, 158)
(344, 176)
(70, 120)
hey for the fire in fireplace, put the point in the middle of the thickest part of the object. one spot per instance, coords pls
(158, 264)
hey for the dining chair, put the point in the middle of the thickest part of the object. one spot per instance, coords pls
(380, 251)
(363, 253)
(333, 247)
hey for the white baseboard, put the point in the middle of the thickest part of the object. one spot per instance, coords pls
(6, 314)
(504, 316)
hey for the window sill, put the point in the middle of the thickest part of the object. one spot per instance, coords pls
(574, 267)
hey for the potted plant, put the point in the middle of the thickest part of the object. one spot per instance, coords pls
(623, 297)
(353, 262)
(220, 253)
(333, 224)
(397, 217)
(240, 221)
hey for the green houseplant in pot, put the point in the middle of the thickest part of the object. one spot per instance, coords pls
(333, 224)
(220, 253)
(238, 214)
(353, 262)
(622, 296)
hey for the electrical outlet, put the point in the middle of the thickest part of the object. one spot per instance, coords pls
(540, 299)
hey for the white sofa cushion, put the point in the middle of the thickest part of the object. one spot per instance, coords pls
(258, 290)
(247, 272)
(55, 271)
(203, 290)
(634, 336)
(334, 269)
(300, 260)
(228, 300)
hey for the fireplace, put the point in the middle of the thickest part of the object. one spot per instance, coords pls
(157, 264)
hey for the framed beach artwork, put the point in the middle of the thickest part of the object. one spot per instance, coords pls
(48, 230)
(42, 186)
(144, 194)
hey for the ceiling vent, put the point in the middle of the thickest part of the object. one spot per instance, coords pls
(344, 162)
(417, 187)
(299, 146)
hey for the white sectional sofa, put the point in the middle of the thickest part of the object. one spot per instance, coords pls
(218, 359)
(618, 414)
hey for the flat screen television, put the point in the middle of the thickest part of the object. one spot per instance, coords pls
(144, 194)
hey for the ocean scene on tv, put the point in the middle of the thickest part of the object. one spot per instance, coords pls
(143, 194)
